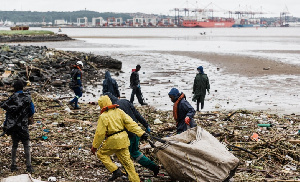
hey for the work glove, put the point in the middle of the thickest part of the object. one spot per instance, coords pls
(148, 129)
(144, 136)
(139, 86)
(208, 92)
(187, 120)
(93, 150)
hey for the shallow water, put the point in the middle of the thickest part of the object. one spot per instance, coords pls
(160, 72)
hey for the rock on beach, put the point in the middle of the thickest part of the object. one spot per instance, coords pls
(45, 67)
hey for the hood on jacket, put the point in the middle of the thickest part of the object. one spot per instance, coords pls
(107, 75)
(113, 99)
(104, 101)
(200, 69)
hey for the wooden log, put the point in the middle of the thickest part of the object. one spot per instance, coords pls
(46, 158)
(294, 141)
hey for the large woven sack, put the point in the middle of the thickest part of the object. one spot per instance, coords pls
(196, 155)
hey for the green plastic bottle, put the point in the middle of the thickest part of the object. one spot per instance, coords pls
(264, 125)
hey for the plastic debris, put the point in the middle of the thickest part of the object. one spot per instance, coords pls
(254, 137)
(52, 179)
(157, 121)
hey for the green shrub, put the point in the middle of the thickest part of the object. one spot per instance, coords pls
(25, 32)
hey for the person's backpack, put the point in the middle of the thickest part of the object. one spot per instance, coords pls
(17, 109)
(73, 82)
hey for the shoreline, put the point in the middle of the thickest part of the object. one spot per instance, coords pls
(248, 66)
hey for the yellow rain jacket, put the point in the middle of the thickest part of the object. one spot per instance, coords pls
(110, 122)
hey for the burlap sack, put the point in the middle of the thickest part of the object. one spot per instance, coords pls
(196, 155)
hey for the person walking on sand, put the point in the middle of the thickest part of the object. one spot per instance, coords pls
(136, 87)
(19, 113)
(111, 135)
(110, 85)
(201, 84)
(76, 84)
(183, 112)
(129, 109)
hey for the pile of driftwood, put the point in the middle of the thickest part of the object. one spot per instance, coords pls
(267, 145)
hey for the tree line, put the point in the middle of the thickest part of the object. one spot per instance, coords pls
(51, 16)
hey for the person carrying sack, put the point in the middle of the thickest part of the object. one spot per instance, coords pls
(111, 137)
(183, 112)
(139, 157)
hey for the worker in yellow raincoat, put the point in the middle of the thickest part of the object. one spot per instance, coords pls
(112, 137)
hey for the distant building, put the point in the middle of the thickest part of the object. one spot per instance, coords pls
(60, 22)
(119, 21)
(150, 21)
(98, 22)
(112, 21)
(82, 24)
(138, 22)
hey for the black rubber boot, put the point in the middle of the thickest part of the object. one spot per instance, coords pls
(155, 171)
(117, 173)
(72, 104)
(14, 168)
(29, 169)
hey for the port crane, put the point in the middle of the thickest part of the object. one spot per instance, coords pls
(283, 17)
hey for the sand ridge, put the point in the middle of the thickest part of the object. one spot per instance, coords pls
(248, 66)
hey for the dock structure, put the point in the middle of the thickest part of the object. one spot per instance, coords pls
(144, 22)
(84, 24)
(112, 21)
(98, 22)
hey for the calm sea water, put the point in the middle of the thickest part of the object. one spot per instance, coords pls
(220, 40)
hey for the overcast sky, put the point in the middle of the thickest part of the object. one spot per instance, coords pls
(272, 7)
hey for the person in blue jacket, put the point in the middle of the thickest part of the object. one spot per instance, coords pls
(76, 84)
(183, 112)
(129, 109)
(19, 109)
(110, 85)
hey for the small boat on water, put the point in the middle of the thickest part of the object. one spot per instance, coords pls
(19, 28)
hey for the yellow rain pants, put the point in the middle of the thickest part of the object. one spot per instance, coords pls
(124, 157)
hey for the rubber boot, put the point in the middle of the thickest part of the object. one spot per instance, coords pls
(117, 173)
(155, 171)
(14, 168)
(72, 104)
(29, 169)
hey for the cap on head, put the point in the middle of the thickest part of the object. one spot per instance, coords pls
(174, 92)
(138, 66)
(79, 63)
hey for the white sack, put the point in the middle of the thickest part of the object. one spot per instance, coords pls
(196, 155)
(20, 178)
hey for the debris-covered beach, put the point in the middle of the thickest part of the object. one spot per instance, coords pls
(253, 107)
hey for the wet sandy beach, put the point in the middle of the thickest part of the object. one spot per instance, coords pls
(245, 65)
(252, 69)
